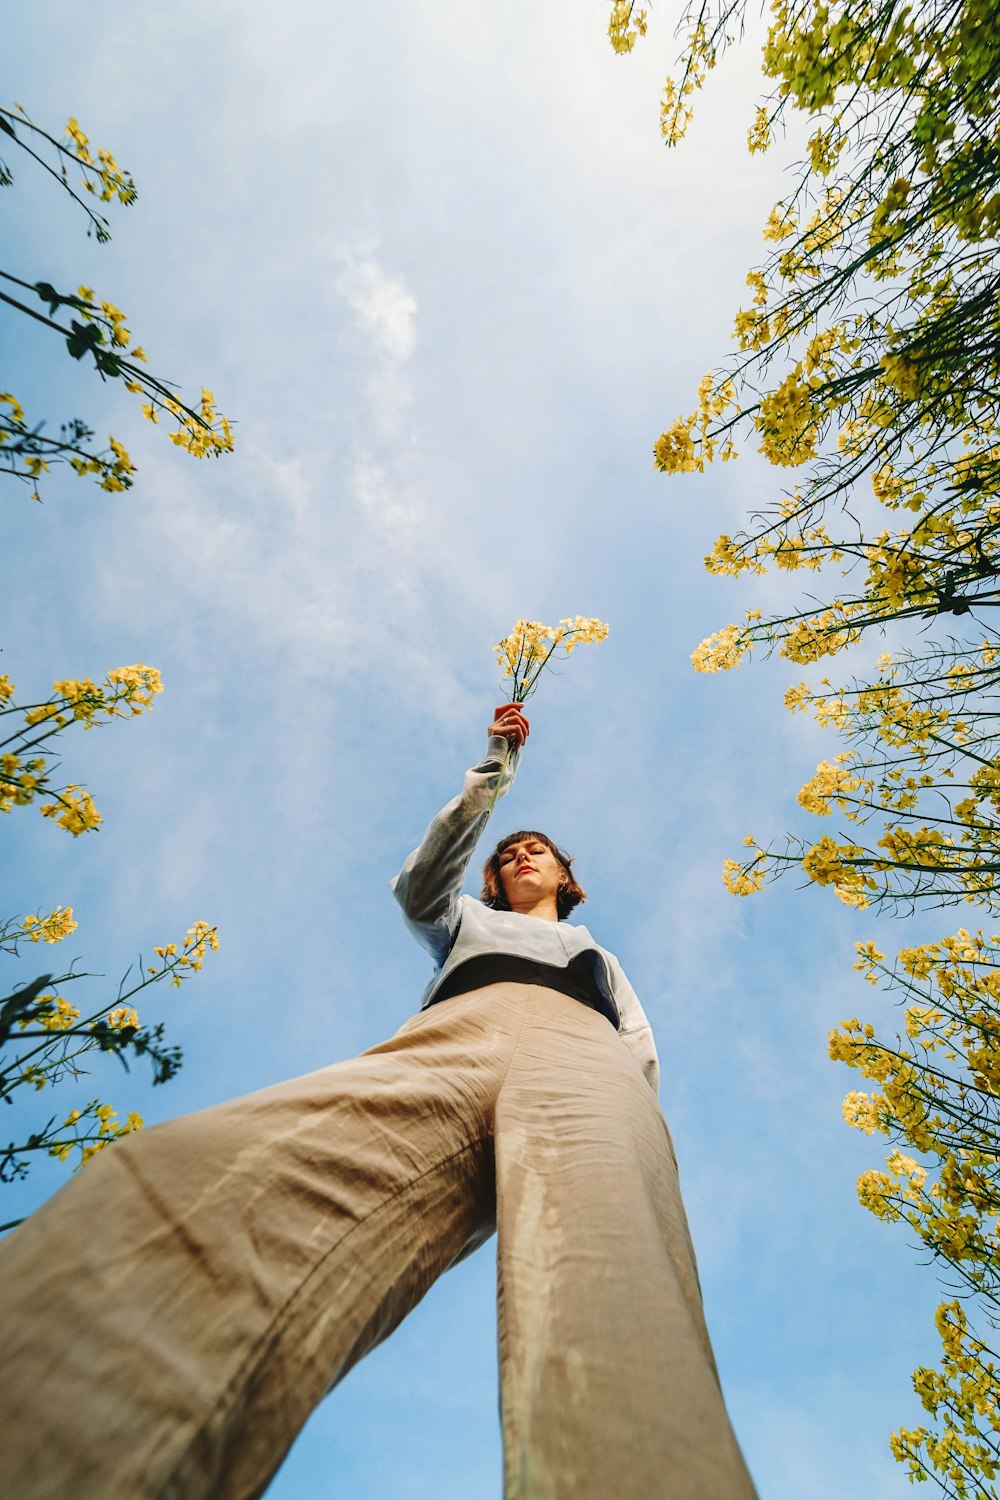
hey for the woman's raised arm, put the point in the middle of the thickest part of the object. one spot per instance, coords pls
(430, 882)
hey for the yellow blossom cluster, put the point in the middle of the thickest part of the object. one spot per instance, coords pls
(790, 549)
(626, 25)
(789, 421)
(808, 640)
(723, 649)
(202, 433)
(939, 1093)
(745, 879)
(966, 1388)
(868, 961)
(954, 1457)
(15, 409)
(897, 576)
(759, 135)
(690, 443)
(93, 1128)
(731, 557)
(54, 1013)
(51, 929)
(100, 329)
(924, 848)
(885, 1193)
(127, 691)
(180, 960)
(781, 224)
(833, 782)
(112, 319)
(810, 549)
(20, 778)
(825, 147)
(675, 114)
(75, 810)
(675, 106)
(14, 435)
(56, 1036)
(894, 490)
(140, 686)
(103, 176)
(900, 720)
(116, 473)
(200, 430)
(866, 1112)
(525, 652)
(123, 1018)
(826, 226)
(751, 328)
(841, 866)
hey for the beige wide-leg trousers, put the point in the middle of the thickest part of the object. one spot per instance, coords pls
(171, 1317)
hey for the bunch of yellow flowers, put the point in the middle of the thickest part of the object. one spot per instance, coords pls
(128, 691)
(531, 646)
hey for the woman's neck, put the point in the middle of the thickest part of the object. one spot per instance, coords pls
(545, 908)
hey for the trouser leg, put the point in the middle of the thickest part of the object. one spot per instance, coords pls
(171, 1317)
(609, 1386)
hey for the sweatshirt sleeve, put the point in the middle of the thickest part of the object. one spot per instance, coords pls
(636, 1032)
(430, 883)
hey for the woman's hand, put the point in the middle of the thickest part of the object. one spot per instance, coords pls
(509, 720)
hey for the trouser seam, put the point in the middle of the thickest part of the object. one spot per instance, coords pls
(252, 1359)
(510, 1063)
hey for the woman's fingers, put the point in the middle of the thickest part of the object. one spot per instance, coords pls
(509, 711)
(509, 720)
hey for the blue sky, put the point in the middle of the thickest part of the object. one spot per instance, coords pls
(438, 266)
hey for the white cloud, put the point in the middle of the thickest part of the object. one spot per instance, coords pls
(384, 315)
(382, 305)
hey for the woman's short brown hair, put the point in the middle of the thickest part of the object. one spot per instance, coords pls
(570, 893)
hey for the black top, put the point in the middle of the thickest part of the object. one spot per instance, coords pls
(576, 979)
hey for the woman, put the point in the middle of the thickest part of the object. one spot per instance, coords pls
(173, 1315)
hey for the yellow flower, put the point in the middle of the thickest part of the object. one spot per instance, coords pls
(868, 957)
(16, 409)
(121, 1017)
(140, 683)
(674, 451)
(788, 421)
(59, 1015)
(759, 135)
(831, 782)
(625, 27)
(531, 646)
(780, 224)
(80, 141)
(866, 1112)
(51, 929)
(743, 880)
(77, 814)
(199, 938)
(723, 650)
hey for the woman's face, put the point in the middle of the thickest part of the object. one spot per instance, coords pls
(529, 873)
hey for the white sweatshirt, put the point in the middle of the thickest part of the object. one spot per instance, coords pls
(455, 928)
